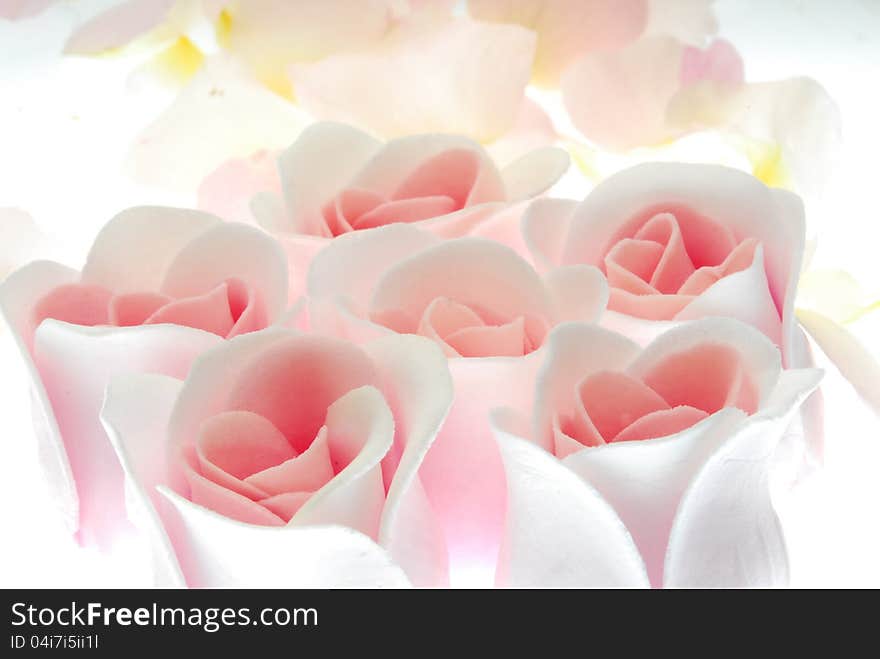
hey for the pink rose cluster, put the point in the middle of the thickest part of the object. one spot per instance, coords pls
(408, 368)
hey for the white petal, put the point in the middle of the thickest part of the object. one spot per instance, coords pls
(478, 74)
(559, 531)
(117, 26)
(743, 295)
(358, 421)
(414, 372)
(17, 295)
(726, 532)
(322, 161)
(230, 250)
(215, 551)
(535, 172)
(75, 365)
(134, 249)
(855, 362)
(135, 416)
(574, 350)
(691, 21)
(222, 113)
(352, 264)
(644, 480)
(579, 292)
(545, 227)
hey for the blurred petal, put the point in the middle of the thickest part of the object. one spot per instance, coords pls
(219, 115)
(567, 28)
(855, 362)
(618, 99)
(690, 21)
(478, 75)
(118, 26)
(227, 191)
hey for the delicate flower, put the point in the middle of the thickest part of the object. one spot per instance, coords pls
(336, 179)
(283, 457)
(160, 285)
(651, 466)
(491, 313)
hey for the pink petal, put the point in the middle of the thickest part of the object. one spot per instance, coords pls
(739, 259)
(293, 382)
(286, 505)
(227, 191)
(449, 174)
(79, 304)
(651, 306)
(406, 210)
(307, 472)
(614, 400)
(131, 309)
(661, 423)
(675, 266)
(241, 444)
(720, 62)
(209, 312)
(708, 377)
(631, 263)
(508, 340)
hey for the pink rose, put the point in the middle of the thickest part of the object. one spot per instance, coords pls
(491, 313)
(160, 285)
(336, 179)
(282, 460)
(649, 466)
(679, 242)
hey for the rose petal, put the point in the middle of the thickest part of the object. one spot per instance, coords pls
(360, 431)
(472, 271)
(534, 172)
(237, 251)
(574, 351)
(614, 400)
(318, 166)
(131, 309)
(221, 114)
(744, 548)
(466, 95)
(661, 423)
(415, 370)
(618, 98)
(133, 251)
(227, 191)
(79, 304)
(75, 364)
(117, 26)
(545, 226)
(644, 480)
(559, 532)
(567, 28)
(292, 384)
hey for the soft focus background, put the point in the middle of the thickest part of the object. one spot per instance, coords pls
(66, 125)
